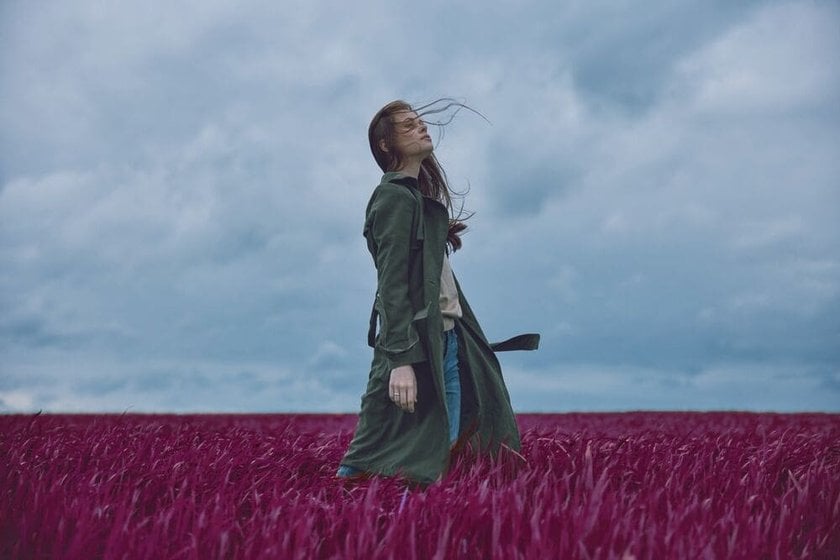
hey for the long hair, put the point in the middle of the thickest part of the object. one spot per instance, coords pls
(432, 179)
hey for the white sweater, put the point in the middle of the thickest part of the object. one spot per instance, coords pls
(450, 307)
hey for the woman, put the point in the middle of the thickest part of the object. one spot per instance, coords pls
(434, 381)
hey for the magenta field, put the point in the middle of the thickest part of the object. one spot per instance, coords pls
(624, 485)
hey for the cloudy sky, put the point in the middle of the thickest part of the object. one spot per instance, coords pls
(183, 187)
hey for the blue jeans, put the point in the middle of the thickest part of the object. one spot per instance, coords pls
(452, 388)
(452, 383)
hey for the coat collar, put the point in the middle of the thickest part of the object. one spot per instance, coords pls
(400, 179)
(397, 178)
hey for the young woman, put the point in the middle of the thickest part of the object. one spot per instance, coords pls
(435, 383)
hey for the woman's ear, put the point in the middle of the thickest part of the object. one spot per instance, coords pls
(383, 146)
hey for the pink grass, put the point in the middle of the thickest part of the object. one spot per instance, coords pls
(634, 485)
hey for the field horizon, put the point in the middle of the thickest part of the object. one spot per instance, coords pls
(518, 413)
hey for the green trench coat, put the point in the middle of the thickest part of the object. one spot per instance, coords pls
(406, 235)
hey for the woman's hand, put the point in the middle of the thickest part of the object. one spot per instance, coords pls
(403, 387)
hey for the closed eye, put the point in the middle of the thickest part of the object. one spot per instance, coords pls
(411, 124)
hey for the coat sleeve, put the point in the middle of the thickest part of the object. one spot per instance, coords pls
(389, 225)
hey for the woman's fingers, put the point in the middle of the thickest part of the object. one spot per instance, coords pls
(397, 395)
(407, 399)
(411, 397)
(403, 387)
(404, 397)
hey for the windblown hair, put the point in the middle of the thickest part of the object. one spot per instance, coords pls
(432, 179)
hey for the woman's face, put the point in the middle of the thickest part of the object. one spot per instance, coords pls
(411, 138)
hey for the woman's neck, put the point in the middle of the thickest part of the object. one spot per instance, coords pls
(410, 168)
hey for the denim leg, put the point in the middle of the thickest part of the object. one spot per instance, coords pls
(345, 471)
(452, 383)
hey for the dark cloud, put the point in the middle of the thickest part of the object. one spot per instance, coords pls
(625, 62)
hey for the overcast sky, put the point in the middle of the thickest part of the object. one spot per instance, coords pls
(184, 185)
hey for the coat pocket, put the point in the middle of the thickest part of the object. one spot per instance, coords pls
(420, 320)
(401, 336)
